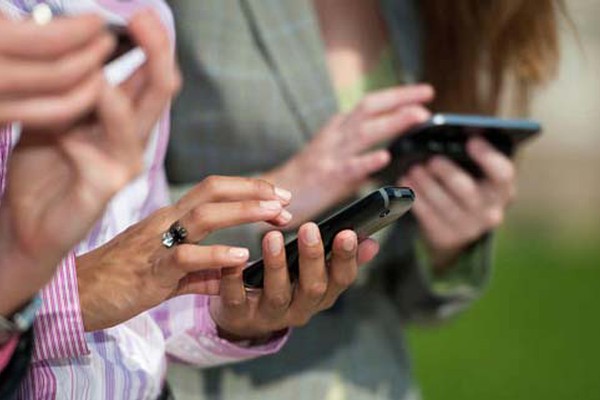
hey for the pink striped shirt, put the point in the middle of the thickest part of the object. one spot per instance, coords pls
(7, 350)
(127, 361)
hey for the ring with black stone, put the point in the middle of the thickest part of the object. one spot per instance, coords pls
(175, 235)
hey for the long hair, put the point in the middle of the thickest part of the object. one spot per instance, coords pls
(473, 48)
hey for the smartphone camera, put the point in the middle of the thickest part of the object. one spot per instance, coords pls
(384, 213)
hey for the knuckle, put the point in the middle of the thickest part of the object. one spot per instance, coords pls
(314, 253)
(233, 303)
(507, 174)
(200, 218)
(347, 278)
(470, 189)
(211, 183)
(414, 115)
(217, 253)
(263, 187)
(299, 320)
(181, 255)
(495, 217)
(278, 301)
(316, 290)
(363, 133)
(366, 104)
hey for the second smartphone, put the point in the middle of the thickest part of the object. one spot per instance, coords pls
(447, 135)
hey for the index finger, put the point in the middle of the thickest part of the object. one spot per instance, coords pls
(223, 188)
(29, 40)
(388, 100)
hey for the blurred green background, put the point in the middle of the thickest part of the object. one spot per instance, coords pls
(535, 334)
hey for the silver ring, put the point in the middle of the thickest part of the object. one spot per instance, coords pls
(175, 235)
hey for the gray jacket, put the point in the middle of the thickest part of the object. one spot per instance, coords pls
(257, 89)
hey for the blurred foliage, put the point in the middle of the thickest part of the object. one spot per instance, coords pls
(534, 335)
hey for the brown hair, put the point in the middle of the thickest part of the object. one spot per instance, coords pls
(474, 47)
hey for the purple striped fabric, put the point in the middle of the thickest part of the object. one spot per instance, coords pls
(127, 361)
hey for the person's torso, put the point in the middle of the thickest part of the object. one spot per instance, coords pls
(128, 361)
(257, 90)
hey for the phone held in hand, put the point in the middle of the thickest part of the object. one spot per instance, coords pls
(127, 57)
(447, 135)
(124, 41)
(365, 217)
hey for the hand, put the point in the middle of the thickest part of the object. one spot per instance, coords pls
(340, 159)
(242, 315)
(135, 272)
(56, 173)
(452, 208)
(51, 74)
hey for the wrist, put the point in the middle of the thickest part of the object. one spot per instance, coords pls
(249, 336)
(443, 258)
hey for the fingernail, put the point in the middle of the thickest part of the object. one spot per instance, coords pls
(422, 114)
(283, 194)
(275, 244)
(239, 253)
(270, 205)
(349, 244)
(285, 216)
(312, 235)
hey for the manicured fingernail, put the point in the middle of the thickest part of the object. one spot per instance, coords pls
(285, 216)
(283, 194)
(239, 253)
(270, 205)
(275, 244)
(349, 244)
(312, 235)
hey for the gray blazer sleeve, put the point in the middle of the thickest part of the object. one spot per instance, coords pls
(419, 296)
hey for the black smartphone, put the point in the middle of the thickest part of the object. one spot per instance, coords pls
(447, 135)
(124, 41)
(365, 217)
